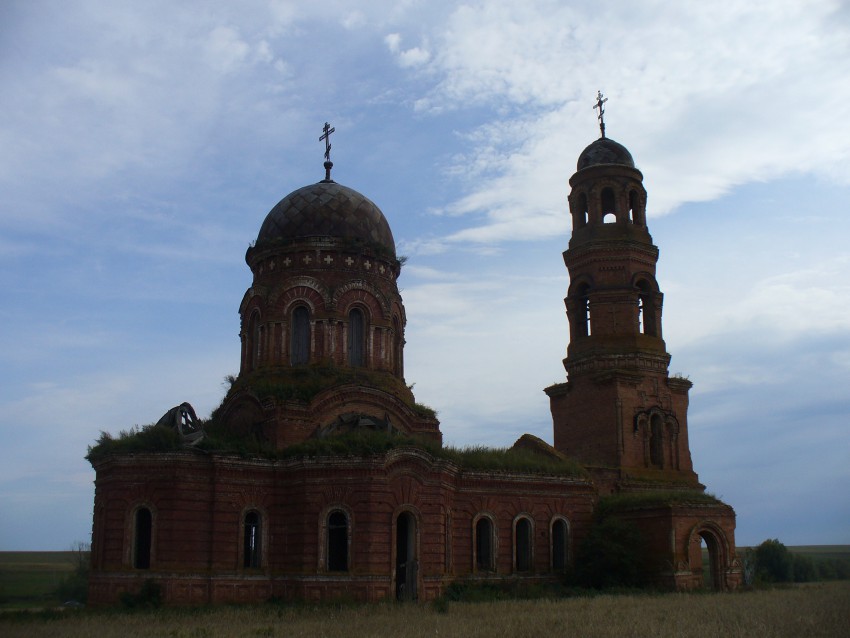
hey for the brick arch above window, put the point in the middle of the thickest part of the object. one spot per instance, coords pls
(301, 290)
(364, 293)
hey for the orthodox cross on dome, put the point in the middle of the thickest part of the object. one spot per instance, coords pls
(600, 101)
(326, 138)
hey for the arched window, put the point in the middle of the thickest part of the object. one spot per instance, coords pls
(609, 207)
(356, 338)
(522, 545)
(580, 214)
(251, 540)
(253, 347)
(656, 441)
(560, 544)
(635, 212)
(398, 348)
(337, 542)
(647, 323)
(582, 312)
(299, 346)
(484, 545)
(142, 538)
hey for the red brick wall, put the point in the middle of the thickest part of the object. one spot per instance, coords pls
(199, 501)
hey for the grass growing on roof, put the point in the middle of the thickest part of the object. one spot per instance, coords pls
(631, 500)
(363, 443)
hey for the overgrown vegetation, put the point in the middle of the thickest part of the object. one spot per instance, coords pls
(303, 383)
(361, 443)
(621, 502)
(510, 460)
(148, 438)
(805, 611)
(149, 596)
(368, 443)
(611, 556)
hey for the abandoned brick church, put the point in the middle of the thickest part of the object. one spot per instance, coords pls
(301, 512)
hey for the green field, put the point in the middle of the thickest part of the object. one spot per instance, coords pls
(29, 579)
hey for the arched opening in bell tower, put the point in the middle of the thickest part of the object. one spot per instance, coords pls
(656, 441)
(583, 324)
(636, 215)
(580, 212)
(647, 323)
(609, 206)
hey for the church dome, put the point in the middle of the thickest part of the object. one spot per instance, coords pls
(330, 210)
(605, 151)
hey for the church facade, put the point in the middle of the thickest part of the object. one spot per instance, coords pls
(322, 358)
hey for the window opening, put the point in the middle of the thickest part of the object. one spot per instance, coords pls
(634, 211)
(254, 341)
(143, 538)
(581, 214)
(300, 341)
(647, 323)
(356, 338)
(484, 544)
(522, 540)
(559, 545)
(398, 366)
(609, 209)
(583, 326)
(337, 542)
(656, 441)
(251, 544)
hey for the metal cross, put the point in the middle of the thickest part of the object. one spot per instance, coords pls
(599, 105)
(326, 138)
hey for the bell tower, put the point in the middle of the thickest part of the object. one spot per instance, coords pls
(619, 412)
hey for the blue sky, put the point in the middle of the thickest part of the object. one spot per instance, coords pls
(142, 144)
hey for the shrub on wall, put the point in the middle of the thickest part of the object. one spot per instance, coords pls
(612, 555)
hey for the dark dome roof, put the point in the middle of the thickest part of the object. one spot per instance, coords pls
(327, 209)
(605, 151)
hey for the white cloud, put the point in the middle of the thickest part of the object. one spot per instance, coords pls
(412, 57)
(686, 83)
(225, 50)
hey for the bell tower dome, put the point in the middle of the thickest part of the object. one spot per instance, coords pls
(619, 411)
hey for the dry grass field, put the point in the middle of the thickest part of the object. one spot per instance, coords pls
(821, 609)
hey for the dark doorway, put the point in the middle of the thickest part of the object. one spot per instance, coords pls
(710, 559)
(406, 563)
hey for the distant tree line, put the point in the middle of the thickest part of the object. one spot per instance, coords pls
(772, 562)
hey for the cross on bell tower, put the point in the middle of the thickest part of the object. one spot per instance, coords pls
(600, 102)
